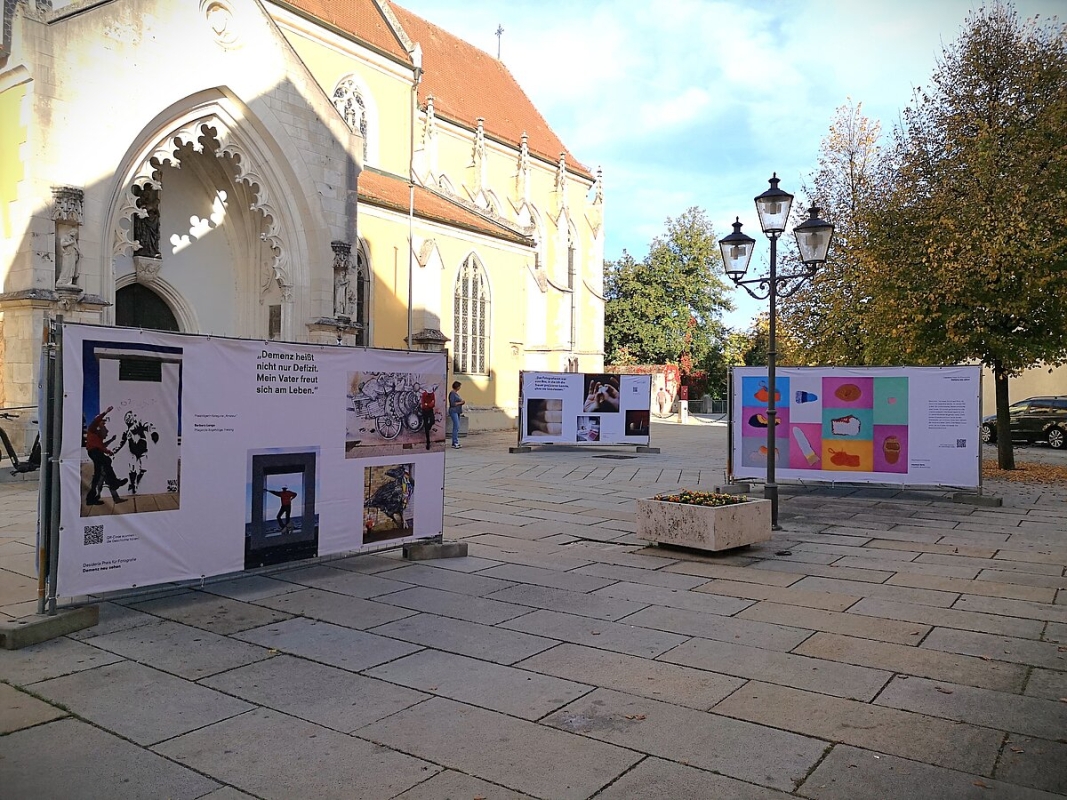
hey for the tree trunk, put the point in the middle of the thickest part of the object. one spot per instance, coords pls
(1005, 452)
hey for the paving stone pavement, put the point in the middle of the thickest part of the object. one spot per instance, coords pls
(887, 643)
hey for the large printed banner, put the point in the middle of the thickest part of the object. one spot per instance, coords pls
(576, 408)
(897, 425)
(188, 456)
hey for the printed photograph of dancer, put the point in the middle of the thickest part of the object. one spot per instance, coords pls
(285, 507)
(131, 412)
(385, 413)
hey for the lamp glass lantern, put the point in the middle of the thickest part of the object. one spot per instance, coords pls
(813, 238)
(736, 252)
(773, 208)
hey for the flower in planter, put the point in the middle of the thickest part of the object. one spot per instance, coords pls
(694, 498)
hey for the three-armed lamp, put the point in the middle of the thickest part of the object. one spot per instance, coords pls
(813, 237)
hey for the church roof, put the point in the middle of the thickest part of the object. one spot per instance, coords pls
(359, 18)
(466, 83)
(391, 191)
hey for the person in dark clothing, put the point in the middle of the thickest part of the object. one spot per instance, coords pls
(286, 509)
(96, 445)
(427, 408)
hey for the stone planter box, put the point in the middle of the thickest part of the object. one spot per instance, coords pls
(704, 527)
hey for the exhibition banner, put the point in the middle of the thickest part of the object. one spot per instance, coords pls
(184, 457)
(584, 408)
(900, 425)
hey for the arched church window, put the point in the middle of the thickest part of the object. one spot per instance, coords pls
(137, 306)
(348, 99)
(471, 319)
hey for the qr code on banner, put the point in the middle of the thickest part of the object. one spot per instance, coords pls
(94, 534)
(961, 443)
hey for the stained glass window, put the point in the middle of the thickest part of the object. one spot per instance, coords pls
(471, 320)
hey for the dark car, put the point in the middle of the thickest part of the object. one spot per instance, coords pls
(1036, 419)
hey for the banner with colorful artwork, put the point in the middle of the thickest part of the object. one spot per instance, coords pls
(589, 408)
(184, 457)
(897, 425)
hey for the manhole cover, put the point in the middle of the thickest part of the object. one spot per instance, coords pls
(612, 455)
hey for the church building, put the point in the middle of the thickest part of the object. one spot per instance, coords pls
(337, 172)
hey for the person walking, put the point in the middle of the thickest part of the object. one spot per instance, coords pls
(455, 410)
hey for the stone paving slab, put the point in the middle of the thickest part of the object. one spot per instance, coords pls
(50, 660)
(520, 755)
(620, 637)
(449, 784)
(846, 623)
(711, 570)
(975, 587)
(20, 710)
(342, 581)
(1047, 683)
(1046, 719)
(849, 773)
(1002, 648)
(108, 696)
(314, 692)
(249, 588)
(517, 692)
(947, 618)
(902, 594)
(704, 602)
(829, 601)
(597, 606)
(491, 643)
(340, 609)
(1009, 607)
(1035, 762)
(650, 575)
(656, 778)
(554, 579)
(694, 688)
(461, 583)
(739, 749)
(935, 741)
(179, 649)
(304, 760)
(920, 661)
(211, 613)
(334, 645)
(785, 669)
(484, 610)
(766, 635)
(48, 760)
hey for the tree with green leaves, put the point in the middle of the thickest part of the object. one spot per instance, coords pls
(968, 221)
(827, 316)
(667, 308)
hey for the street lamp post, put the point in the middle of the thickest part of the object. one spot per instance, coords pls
(813, 241)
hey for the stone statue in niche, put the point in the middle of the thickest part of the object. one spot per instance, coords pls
(146, 228)
(67, 256)
(341, 278)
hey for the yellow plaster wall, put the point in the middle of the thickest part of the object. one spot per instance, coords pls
(391, 97)
(12, 136)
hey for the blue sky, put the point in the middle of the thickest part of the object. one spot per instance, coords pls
(696, 102)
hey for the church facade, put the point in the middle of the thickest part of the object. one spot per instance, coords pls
(309, 171)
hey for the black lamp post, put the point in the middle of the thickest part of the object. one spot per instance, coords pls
(813, 240)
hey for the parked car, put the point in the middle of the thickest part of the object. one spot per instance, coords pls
(1035, 419)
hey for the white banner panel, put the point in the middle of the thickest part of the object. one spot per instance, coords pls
(190, 456)
(577, 408)
(898, 425)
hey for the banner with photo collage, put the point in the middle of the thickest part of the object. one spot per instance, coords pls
(915, 426)
(185, 457)
(584, 408)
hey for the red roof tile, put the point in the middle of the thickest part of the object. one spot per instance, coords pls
(391, 191)
(360, 18)
(467, 83)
